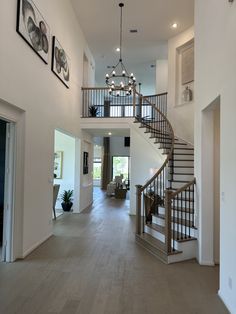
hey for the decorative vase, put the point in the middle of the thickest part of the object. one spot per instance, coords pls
(66, 206)
(187, 94)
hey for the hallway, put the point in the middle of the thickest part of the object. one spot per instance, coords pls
(92, 265)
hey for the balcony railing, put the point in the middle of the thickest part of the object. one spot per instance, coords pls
(120, 107)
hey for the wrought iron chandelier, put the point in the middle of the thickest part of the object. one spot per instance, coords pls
(119, 81)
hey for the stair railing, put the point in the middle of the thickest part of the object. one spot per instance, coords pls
(151, 195)
(180, 215)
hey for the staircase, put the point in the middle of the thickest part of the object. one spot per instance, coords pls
(165, 215)
(165, 211)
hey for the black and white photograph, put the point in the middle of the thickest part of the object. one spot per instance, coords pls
(33, 28)
(60, 63)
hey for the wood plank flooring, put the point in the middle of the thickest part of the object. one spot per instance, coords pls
(92, 265)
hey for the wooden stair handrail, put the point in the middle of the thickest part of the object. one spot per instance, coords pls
(172, 143)
(187, 185)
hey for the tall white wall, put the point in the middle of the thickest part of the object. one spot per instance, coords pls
(144, 157)
(27, 83)
(66, 144)
(215, 24)
(161, 76)
(86, 186)
(181, 116)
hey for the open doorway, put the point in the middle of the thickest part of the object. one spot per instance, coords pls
(210, 214)
(7, 184)
(64, 168)
(3, 126)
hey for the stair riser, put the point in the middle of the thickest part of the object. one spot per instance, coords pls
(178, 185)
(161, 237)
(189, 250)
(176, 214)
(157, 253)
(182, 170)
(182, 177)
(182, 156)
(155, 234)
(176, 227)
(180, 163)
(180, 151)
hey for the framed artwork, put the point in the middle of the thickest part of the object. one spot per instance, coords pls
(85, 163)
(58, 164)
(33, 28)
(60, 63)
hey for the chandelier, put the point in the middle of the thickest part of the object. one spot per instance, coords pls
(119, 81)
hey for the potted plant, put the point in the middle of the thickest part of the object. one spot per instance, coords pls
(93, 111)
(67, 199)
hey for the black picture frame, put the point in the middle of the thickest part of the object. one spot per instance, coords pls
(85, 163)
(58, 63)
(38, 25)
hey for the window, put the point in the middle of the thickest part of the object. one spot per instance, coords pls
(120, 165)
(97, 168)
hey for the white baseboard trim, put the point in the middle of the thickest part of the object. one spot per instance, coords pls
(35, 246)
(225, 303)
(206, 263)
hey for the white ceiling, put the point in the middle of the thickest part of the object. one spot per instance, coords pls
(105, 132)
(99, 20)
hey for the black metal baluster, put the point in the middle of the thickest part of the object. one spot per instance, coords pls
(193, 206)
(181, 204)
(190, 211)
(185, 216)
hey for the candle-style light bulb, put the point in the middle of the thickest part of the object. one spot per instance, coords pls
(123, 72)
(132, 75)
(113, 73)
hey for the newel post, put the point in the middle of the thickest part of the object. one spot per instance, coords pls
(138, 209)
(168, 231)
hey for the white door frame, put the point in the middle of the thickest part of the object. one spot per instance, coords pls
(9, 189)
(14, 182)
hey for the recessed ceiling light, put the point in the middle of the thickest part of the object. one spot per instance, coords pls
(110, 133)
(118, 49)
(175, 25)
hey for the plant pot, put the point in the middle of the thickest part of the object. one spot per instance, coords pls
(67, 206)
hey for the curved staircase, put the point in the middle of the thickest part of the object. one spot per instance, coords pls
(165, 213)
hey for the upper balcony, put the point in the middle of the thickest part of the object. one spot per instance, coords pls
(97, 103)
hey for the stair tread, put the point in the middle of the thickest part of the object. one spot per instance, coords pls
(183, 210)
(183, 166)
(178, 236)
(181, 159)
(182, 174)
(156, 243)
(184, 148)
(182, 154)
(177, 220)
(179, 181)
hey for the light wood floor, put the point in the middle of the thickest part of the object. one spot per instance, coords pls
(92, 265)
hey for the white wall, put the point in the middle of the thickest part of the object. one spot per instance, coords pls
(215, 23)
(27, 83)
(161, 76)
(66, 144)
(143, 158)
(86, 187)
(181, 116)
